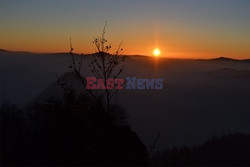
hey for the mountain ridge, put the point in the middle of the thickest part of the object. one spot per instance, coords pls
(221, 59)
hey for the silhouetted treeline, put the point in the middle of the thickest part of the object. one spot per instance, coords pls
(74, 131)
(230, 149)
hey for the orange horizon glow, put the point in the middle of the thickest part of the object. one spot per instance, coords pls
(174, 46)
(177, 55)
(128, 50)
(197, 29)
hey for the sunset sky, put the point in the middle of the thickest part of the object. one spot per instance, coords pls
(180, 29)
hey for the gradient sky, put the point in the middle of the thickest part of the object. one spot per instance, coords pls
(180, 28)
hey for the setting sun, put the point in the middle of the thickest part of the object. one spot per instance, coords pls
(156, 52)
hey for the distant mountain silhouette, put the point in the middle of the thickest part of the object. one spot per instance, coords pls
(54, 90)
(22, 52)
(221, 59)
(2, 50)
(226, 59)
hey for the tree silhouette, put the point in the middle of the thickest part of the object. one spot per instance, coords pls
(229, 149)
(103, 66)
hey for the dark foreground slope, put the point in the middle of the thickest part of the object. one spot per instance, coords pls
(75, 131)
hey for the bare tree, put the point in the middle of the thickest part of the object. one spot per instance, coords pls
(103, 66)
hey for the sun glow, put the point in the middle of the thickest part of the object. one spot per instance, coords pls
(156, 52)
